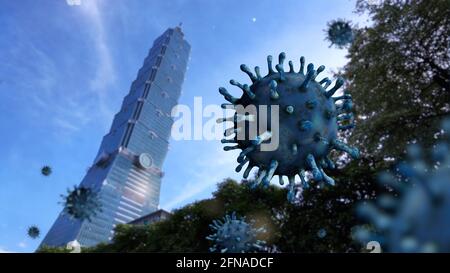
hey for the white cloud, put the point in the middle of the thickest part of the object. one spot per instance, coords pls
(70, 110)
(3, 250)
(41, 92)
(22, 245)
(105, 75)
(204, 174)
(65, 125)
(73, 2)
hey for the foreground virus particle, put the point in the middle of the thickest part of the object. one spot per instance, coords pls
(340, 33)
(416, 216)
(234, 235)
(46, 171)
(81, 203)
(33, 232)
(308, 122)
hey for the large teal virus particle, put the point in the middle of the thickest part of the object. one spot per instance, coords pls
(308, 122)
(33, 232)
(81, 203)
(415, 216)
(235, 235)
(46, 170)
(340, 33)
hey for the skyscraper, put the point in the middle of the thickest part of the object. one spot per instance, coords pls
(126, 173)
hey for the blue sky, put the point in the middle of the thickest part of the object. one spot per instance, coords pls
(65, 70)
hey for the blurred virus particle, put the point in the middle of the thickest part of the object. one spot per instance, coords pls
(416, 216)
(235, 235)
(339, 33)
(81, 203)
(373, 247)
(306, 126)
(46, 171)
(322, 233)
(33, 232)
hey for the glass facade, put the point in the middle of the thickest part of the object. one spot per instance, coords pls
(129, 189)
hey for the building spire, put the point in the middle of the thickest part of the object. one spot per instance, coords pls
(178, 28)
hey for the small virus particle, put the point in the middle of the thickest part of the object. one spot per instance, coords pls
(74, 246)
(235, 235)
(81, 203)
(321, 233)
(33, 232)
(254, 19)
(373, 247)
(415, 217)
(339, 33)
(46, 171)
(308, 122)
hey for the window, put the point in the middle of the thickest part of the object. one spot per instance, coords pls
(158, 60)
(152, 135)
(153, 74)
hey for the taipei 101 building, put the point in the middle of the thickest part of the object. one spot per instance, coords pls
(126, 173)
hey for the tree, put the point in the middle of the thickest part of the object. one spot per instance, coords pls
(399, 75)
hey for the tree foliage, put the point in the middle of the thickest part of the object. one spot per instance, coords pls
(399, 74)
